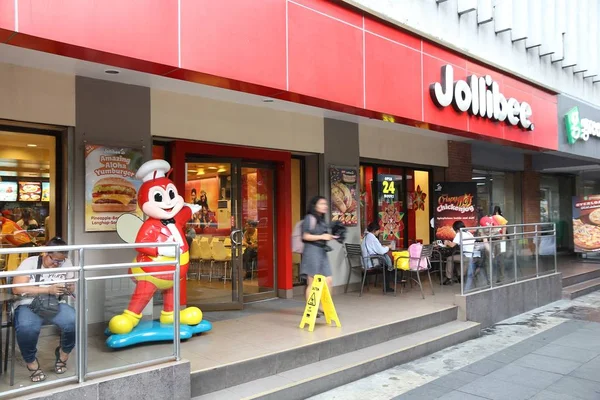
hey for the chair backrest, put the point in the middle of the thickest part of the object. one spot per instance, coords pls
(354, 252)
(205, 250)
(227, 242)
(195, 250)
(419, 256)
(219, 252)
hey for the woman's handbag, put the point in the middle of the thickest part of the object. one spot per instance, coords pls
(44, 305)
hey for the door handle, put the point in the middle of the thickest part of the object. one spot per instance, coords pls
(232, 237)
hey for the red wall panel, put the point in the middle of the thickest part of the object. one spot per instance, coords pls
(7, 19)
(325, 57)
(333, 10)
(314, 52)
(244, 42)
(393, 82)
(146, 30)
(389, 32)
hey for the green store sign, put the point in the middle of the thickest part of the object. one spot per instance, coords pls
(580, 128)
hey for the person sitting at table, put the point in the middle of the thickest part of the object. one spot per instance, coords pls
(12, 233)
(251, 244)
(372, 247)
(468, 244)
(28, 321)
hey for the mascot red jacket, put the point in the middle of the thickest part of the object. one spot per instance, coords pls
(167, 216)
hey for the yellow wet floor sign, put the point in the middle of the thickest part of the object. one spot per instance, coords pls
(319, 293)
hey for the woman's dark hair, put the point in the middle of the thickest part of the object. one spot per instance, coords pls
(373, 226)
(312, 207)
(194, 191)
(26, 214)
(57, 241)
(458, 225)
(497, 211)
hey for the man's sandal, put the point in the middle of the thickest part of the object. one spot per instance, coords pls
(38, 375)
(60, 366)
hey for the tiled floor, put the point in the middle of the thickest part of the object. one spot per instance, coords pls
(261, 328)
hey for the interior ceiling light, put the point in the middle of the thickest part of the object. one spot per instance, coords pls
(212, 168)
(200, 172)
(112, 71)
(268, 100)
(221, 170)
(32, 145)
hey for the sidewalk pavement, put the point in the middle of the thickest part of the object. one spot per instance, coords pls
(552, 352)
(562, 363)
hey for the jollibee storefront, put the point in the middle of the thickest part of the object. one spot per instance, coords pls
(411, 86)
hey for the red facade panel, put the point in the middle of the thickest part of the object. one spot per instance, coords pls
(393, 82)
(146, 31)
(314, 52)
(243, 41)
(332, 9)
(386, 31)
(325, 57)
(7, 19)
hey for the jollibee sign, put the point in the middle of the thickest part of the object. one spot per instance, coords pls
(480, 96)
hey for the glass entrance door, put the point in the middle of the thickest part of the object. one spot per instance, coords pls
(214, 234)
(232, 237)
(257, 199)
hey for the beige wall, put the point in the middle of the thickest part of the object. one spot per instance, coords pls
(392, 145)
(33, 95)
(191, 117)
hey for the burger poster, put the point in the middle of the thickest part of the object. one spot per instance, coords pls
(454, 201)
(110, 185)
(344, 202)
(586, 223)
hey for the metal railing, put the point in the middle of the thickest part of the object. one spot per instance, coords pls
(82, 302)
(529, 250)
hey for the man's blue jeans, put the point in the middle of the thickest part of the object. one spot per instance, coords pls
(28, 326)
(473, 264)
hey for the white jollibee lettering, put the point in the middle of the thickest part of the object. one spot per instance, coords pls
(480, 96)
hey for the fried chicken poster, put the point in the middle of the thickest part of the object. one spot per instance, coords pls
(454, 201)
(344, 202)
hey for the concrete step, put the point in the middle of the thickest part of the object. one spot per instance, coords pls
(581, 289)
(574, 279)
(236, 373)
(318, 377)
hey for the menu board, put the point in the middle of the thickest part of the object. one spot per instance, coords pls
(586, 223)
(344, 204)
(8, 191)
(454, 201)
(30, 191)
(45, 191)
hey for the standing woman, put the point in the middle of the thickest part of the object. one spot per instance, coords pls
(315, 235)
(499, 243)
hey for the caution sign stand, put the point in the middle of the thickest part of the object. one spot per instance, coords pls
(319, 293)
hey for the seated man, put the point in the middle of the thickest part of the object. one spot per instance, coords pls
(372, 247)
(251, 244)
(468, 244)
(28, 320)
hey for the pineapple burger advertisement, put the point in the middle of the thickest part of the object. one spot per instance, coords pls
(167, 215)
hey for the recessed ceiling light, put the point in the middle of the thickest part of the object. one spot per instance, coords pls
(32, 145)
(112, 71)
(268, 100)
(212, 168)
